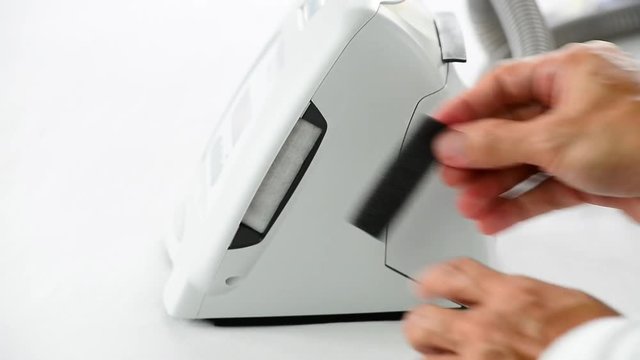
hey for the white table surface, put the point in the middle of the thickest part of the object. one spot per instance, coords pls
(104, 109)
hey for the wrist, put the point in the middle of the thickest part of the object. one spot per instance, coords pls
(589, 341)
(584, 310)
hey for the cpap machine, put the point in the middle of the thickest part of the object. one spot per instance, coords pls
(264, 231)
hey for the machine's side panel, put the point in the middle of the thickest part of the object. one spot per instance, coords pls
(254, 127)
(430, 229)
(317, 263)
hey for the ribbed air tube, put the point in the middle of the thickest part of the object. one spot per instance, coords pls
(525, 29)
(600, 26)
(510, 28)
(488, 28)
(516, 28)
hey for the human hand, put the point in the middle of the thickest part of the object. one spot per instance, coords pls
(509, 317)
(573, 113)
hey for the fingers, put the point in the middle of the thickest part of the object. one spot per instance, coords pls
(519, 319)
(494, 143)
(457, 178)
(540, 112)
(443, 357)
(429, 330)
(484, 189)
(631, 207)
(550, 196)
(514, 83)
(525, 112)
(480, 199)
(464, 281)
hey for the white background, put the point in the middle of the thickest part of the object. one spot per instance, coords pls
(104, 109)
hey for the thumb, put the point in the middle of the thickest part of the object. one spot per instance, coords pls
(490, 143)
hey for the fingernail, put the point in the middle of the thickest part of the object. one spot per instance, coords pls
(450, 148)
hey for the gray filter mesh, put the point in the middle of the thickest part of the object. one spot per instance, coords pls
(281, 175)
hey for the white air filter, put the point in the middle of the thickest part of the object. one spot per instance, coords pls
(281, 175)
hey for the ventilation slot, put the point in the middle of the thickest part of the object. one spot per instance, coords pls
(283, 176)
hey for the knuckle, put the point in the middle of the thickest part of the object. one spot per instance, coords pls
(580, 54)
(485, 337)
(445, 276)
(504, 76)
(437, 273)
(507, 68)
(470, 329)
(574, 47)
(463, 263)
(591, 54)
(579, 295)
(549, 140)
(522, 289)
(523, 294)
(602, 45)
(490, 336)
(523, 283)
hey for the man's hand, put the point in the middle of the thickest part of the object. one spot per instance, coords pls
(574, 113)
(509, 317)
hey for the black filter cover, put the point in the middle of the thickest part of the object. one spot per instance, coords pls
(400, 179)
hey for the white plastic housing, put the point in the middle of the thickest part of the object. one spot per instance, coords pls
(368, 66)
